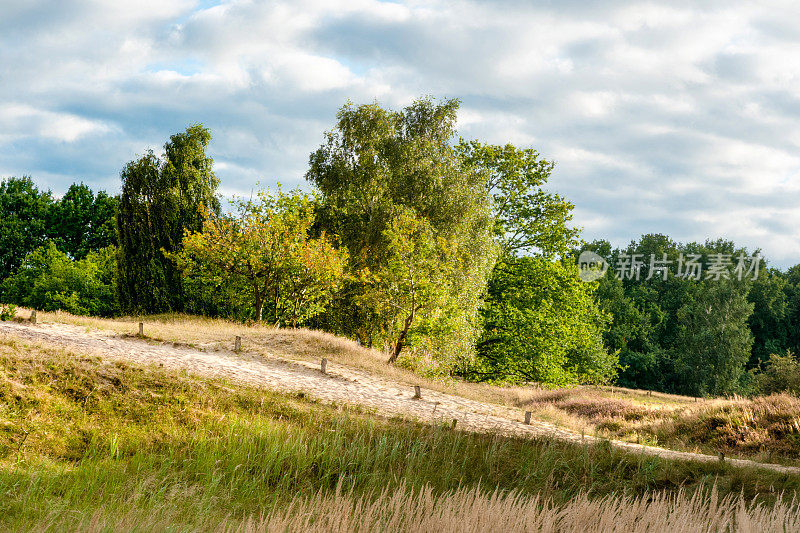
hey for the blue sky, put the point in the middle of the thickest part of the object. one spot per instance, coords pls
(662, 117)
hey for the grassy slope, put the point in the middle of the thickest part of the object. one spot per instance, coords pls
(763, 429)
(82, 440)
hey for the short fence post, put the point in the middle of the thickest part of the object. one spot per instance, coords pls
(721, 457)
(417, 392)
(237, 344)
(141, 329)
(454, 423)
(323, 365)
(528, 418)
(33, 316)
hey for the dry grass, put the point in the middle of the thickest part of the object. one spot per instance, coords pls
(767, 429)
(94, 446)
(298, 344)
(471, 510)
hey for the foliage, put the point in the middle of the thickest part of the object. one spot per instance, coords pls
(7, 311)
(683, 335)
(781, 374)
(81, 222)
(527, 218)
(23, 221)
(412, 289)
(264, 260)
(49, 280)
(161, 198)
(542, 324)
(378, 165)
(771, 321)
(713, 341)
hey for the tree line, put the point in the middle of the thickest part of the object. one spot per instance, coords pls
(449, 255)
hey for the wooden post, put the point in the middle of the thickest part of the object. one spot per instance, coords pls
(527, 418)
(323, 366)
(33, 316)
(721, 457)
(237, 344)
(141, 329)
(454, 423)
(417, 392)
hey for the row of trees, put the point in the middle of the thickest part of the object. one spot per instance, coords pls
(449, 255)
(693, 336)
(78, 223)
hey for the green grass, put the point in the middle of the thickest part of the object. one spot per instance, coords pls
(80, 437)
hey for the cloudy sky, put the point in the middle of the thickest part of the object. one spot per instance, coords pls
(662, 117)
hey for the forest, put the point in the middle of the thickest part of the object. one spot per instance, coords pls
(452, 256)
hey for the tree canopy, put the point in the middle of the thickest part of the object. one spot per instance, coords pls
(161, 198)
(264, 260)
(378, 166)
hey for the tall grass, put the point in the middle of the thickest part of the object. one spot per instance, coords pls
(90, 445)
(763, 429)
(473, 510)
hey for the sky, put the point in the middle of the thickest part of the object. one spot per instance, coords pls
(676, 117)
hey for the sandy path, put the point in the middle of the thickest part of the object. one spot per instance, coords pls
(340, 385)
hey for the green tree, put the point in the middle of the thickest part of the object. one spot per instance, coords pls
(81, 222)
(542, 324)
(49, 280)
(24, 212)
(781, 374)
(714, 341)
(414, 285)
(527, 219)
(792, 291)
(376, 166)
(769, 322)
(161, 198)
(265, 260)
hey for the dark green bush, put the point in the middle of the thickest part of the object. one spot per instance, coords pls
(49, 280)
(781, 374)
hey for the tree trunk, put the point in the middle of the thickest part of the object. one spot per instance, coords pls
(401, 340)
(259, 305)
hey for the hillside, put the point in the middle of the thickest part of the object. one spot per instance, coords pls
(102, 431)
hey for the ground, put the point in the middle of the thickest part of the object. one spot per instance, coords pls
(101, 430)
(340, 384)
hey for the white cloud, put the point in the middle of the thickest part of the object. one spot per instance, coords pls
(676, 118)
(28, 121)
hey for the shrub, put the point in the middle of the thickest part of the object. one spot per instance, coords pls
(781, 374)
(49, 280)
(7, 311)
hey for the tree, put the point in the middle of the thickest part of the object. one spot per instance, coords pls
(413, 287)
(162, 198)
(49, 280)
(265, 256)
(24, 212)
(542, 324)
(781, 374)
(81, 222)
(714, 341)
(541, 321)
(527, 218)
(376, 166)
(769, 321)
